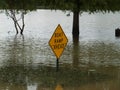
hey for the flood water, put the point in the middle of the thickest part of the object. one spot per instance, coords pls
(28, 63)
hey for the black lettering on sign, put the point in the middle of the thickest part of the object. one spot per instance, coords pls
(58, 34)
(58, 46)
(58, 40)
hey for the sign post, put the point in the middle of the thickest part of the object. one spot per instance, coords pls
(58, 43)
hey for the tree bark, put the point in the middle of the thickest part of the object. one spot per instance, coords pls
(23, 24)
(75, 30)
(16, 27)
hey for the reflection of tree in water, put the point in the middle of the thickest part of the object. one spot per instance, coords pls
(13, 72)
(15, 69)
(18, 52)
(75, 52)
(99, 53)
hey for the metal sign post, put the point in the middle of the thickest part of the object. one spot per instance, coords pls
(57, 64)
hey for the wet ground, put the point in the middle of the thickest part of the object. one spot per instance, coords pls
(28, 63)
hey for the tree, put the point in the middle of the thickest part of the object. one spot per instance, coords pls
(12, 14)
(76, 6)
(75, 30)
(13, 8)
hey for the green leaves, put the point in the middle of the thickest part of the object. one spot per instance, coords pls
(73, 5)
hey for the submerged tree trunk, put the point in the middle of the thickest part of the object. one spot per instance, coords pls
(16, 27)
(23, 24)
(11, 14)
(75, 30)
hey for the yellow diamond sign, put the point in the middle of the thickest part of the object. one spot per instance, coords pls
(58, 41)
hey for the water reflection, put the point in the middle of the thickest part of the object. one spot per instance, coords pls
(92, 65)
(23, 77)
(59, 87)
(17, 52)
(75, 53)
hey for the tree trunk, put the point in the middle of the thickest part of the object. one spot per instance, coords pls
(75, 30)
(16, 27)
(21, 32)
(23, 24)
(11, 14)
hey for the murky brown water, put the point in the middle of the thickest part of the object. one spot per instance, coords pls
(27, 62)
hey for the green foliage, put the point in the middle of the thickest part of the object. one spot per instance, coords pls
(73, 5)
(18, 4)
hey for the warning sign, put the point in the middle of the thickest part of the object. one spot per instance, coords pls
(58, 41)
